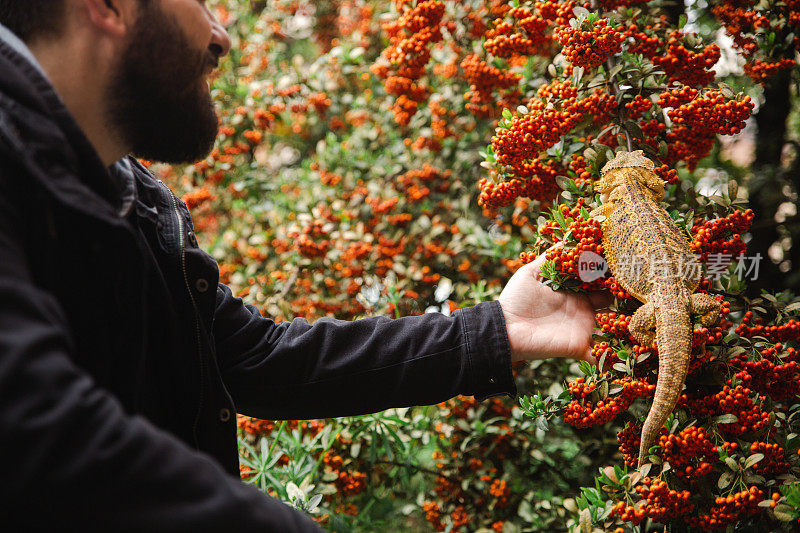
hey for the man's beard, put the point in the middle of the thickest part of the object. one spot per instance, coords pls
(158, 100)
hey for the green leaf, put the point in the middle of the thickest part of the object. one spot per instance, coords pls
(792, 307)
(725, 479)
(541, 423)
(783, 512)
(727, 418)
(753, 459)
(559, 217)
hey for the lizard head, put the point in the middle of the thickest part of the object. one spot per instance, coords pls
(626, 166)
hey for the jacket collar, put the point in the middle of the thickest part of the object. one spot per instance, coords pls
(43, 136)
(19, 47)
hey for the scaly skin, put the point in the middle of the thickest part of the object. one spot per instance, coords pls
(651, 259)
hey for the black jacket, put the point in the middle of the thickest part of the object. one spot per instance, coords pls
(123, 361)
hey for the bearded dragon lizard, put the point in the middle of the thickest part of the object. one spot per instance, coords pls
(648, 255)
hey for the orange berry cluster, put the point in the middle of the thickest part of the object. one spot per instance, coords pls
(537, 181)
(615, 324)
(615, 288)
(690, 453)
(659, 502)
(408, 54)
(774, 461)
(433, 515)
(588, 236)
(629, 439)
(555, 111)
(530, 134)
(638, 106)
(663, 504)
(428, 177)
(348, 483)
(677, 97)
(329, 178)
(640, 41)
(686, 66)
(533, 24)
(503, 41)
(589, 48)
(713, 114)
(199, 197)
(762, 71)
(484, 79)
(628, 513)
(555, 90)
(579, 165)
(581, 413)
(440, 126)
(696, 124)
(722, 235)
(559, 13)
(793, 14)
(306, 244)
(776, 377)
(524, 35)
(500, 490)
(750, 420)
(728, 510)
(727, 400)
(750, 327)
(666, 173)
(739, 21)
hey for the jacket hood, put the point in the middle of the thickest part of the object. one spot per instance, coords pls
(39, 133)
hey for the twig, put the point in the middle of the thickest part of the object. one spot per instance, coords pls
(286, 288)
(620, 110)
(419, 469)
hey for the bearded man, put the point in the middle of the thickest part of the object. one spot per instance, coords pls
(123, 361)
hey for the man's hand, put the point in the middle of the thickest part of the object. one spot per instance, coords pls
(544, 323)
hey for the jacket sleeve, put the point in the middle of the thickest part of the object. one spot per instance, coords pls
(72, 458)
(295, 370)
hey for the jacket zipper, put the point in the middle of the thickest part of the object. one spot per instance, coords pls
(196, 315)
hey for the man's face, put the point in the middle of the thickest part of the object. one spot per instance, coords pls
(159, 100)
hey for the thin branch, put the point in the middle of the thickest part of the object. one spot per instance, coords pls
(620, 109)
(286, 288)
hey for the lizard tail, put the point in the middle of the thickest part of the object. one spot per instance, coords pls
(673, 335)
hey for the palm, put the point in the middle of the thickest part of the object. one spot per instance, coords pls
(545, 323)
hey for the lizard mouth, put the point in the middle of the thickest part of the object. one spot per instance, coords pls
(604, 197)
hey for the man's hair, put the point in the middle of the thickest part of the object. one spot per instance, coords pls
(29, 19)
(32, 18)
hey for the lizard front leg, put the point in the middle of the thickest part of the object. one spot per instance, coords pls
(706, 306)
(643, 325)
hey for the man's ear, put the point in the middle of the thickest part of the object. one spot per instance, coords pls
(114, 17)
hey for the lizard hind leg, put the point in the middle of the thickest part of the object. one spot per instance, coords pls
(643, 324)
(706, 306)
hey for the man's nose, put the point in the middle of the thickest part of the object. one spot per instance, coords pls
(220, 40)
